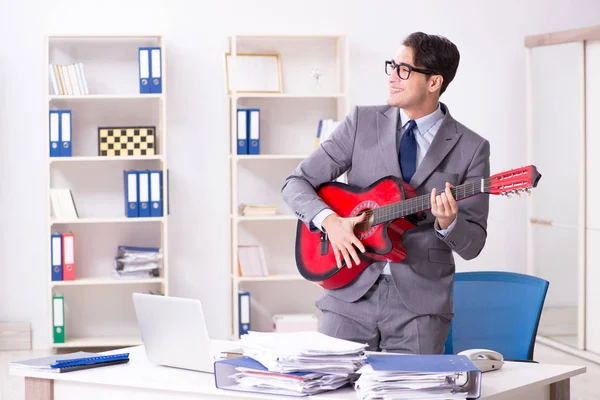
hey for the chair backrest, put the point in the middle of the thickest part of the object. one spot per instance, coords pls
(498, 311)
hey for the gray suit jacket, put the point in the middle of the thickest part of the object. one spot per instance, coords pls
(364, 145)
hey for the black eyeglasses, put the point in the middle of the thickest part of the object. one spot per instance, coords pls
(403, 70)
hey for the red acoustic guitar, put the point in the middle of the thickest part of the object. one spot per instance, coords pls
(389, 204)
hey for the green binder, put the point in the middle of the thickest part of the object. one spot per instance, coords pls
(58, 318)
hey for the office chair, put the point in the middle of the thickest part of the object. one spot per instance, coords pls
(498, 311)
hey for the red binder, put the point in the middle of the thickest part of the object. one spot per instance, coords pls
(68, 255)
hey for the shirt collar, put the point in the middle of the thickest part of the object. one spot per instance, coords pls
(423, 123)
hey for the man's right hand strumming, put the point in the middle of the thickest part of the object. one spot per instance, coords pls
(340, 232)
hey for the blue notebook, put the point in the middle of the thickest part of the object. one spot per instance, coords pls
(421, 363)
(70, 362)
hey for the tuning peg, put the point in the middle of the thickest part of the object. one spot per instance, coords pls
(528, 191)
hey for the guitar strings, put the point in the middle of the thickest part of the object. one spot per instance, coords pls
(421, 203)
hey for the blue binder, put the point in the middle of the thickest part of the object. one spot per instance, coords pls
(144, 69)
(54, 129)
(156, 193)
(242, 131)
(66, 148)
(56, 256)
(431, 363)
(244, 312)
(155, 70)
(224, 369)
(254, 131)
(131, 191)
(144, 193)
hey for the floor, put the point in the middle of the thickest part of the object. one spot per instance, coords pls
(583, 387)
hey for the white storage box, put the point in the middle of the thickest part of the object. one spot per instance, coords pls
(295, 322)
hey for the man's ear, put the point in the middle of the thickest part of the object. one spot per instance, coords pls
(435, 83)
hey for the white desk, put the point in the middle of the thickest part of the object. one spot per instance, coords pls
(139, 380)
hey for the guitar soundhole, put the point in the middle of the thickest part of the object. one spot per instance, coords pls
(365, 225)
(364, 229)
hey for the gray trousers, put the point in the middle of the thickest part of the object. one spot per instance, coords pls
(381, 319)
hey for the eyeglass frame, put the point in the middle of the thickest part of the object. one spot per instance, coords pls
(410, 69)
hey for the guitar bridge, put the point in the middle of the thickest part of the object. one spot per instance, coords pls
(324, 243)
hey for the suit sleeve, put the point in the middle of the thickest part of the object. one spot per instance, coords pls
(468, 236)
(331, 159)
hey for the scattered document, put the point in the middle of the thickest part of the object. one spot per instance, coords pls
(295, 364)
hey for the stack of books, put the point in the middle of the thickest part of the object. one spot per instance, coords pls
(68, 79)
(257, 210)
(294, 364)
(138, 262)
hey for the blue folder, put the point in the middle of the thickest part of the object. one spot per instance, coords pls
(431, 363)
(73, 362)
(421, 363)
(225, 368)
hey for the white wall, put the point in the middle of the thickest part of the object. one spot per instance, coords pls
(487, 95)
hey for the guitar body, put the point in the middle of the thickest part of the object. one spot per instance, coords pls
(314, 255)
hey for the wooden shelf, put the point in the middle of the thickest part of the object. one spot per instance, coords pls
(107, 220)
(287, 36)
(106, 96)
(56, 160)
(269, 157)
(103, 36)
(289, 95)
(108, 341)
(280, 217)
(97, 307)
(271, 278)
(287, 130)
(105, 281)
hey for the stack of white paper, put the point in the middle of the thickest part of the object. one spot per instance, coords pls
(138, 262)
(404, 385)
(299, 362)
(418, 377)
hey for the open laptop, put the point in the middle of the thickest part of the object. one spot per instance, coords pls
(174, 332)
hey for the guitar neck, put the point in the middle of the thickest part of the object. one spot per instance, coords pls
(403, 208)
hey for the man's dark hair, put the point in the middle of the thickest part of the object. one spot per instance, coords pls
(435, 53)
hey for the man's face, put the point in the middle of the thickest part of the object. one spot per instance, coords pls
(406, 93)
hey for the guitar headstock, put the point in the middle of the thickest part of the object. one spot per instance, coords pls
(514, 181)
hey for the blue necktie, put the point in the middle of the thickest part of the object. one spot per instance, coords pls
(408, 152)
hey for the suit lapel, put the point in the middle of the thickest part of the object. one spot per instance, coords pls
(444, 140)
(387, 123)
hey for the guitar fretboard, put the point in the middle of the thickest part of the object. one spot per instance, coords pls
(422, 203)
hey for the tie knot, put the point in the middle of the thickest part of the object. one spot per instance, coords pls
(411, 124)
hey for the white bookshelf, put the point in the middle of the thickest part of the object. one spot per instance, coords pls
(98, 309)
(289, 123)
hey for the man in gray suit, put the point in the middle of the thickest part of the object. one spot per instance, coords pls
(400, 307)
